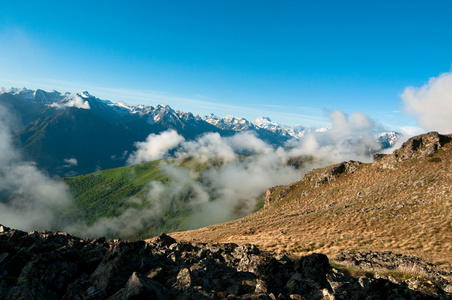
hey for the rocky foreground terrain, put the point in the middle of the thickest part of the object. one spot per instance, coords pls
(46, 265)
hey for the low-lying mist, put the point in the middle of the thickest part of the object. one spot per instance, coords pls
(31, 199)
(237, 171)
(233, 175)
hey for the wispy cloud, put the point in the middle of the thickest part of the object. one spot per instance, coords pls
(34, 201)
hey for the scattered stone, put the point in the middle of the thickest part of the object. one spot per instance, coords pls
(59, 266)
(423, 276)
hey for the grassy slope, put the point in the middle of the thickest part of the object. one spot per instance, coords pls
(104, 193)
(107, 193)
(407, 209)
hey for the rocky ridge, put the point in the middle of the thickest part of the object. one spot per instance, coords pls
(57, 265)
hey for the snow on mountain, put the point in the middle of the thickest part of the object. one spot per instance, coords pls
(166, 116)
(388, 139)
(265, 122)
(37, 96)
(292, 131)
(85, 95)
(70, 100)
(229, 123)
(385, 139)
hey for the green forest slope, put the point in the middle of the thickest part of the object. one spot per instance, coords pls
(105, 193)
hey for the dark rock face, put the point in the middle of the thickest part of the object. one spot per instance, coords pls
(57, 265)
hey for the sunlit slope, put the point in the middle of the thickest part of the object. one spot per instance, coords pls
(106, 193)
(402, 203)
(122, 196)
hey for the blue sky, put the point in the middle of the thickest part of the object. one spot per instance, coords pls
(293, 61)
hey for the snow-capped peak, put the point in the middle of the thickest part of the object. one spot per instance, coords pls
(124, 105)
(85, 95)
(388, 138)
(228, 122)
(265, 122)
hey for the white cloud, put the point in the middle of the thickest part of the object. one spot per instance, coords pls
(212, 145)
(31, 200)
(71, 162)
(349, 138)
(343, 126)
(73, 100)
(431, 104)
(155, 147)
(247, 142)
(208, 146)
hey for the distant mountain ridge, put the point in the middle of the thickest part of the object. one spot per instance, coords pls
(56, 127)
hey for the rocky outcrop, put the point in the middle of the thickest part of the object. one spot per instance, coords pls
(46, 265)
(326, 175)
(333, 172)
(420, 146)
(272, 195)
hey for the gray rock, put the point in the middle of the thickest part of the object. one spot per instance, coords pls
(59, 266)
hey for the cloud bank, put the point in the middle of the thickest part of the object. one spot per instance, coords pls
(431, 104)
(231, 184)
(31, 200)
(349, 138)
(155, 147)
(227, 188)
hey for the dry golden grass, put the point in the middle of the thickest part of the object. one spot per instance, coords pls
(406, 209)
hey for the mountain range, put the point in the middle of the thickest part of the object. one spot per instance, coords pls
(70, 134)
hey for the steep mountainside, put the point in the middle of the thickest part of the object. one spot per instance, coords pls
(98, 134)
(401, 202)
(78, 134)
(107, 193)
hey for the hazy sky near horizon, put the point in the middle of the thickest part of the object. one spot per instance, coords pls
(292, 61)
